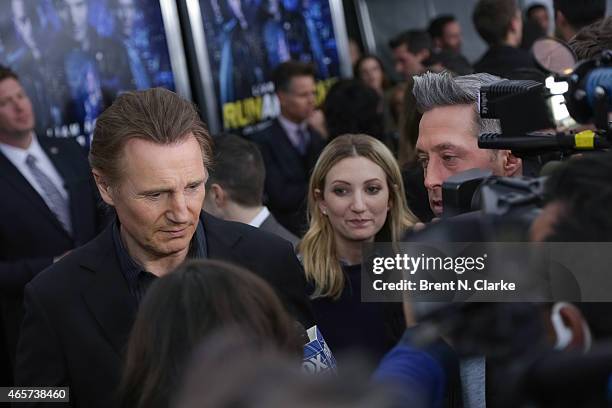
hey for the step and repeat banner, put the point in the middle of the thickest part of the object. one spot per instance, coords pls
(75, 56)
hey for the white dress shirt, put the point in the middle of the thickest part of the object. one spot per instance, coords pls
(17, 156)
(260, 217)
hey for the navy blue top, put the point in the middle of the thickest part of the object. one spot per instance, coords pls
(139, 279)
(348, 324)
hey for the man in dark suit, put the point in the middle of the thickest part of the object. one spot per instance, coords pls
(49, 205)
(149, 156)
(234, 190)
(289, 146)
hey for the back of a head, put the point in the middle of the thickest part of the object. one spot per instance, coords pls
(433, 90)
(231, 372)
(492, 19)
(352, 107)
(580, 13)
(238, 167)
(414, 40)
(183, 308)
(593, 39)
(156, 115)
(285, 72)
(436, 26)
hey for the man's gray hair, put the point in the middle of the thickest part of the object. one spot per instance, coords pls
(432, 90)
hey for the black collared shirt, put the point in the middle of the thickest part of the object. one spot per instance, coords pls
(138, 279)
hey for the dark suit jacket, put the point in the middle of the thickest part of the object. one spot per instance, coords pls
(287, 174)
(31, 235)
(271, 225)
(506, 62)
(79, 311)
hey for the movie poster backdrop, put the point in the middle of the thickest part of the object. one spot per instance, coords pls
(247, 39)
(74, 57)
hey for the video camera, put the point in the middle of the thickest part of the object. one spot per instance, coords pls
(530, 114)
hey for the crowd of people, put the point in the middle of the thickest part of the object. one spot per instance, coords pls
(174, 268)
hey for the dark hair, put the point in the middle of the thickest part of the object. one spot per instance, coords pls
(156, 115)
(593, 39)
(436, 26)
(229, 372)
(386, 83)
(534, 7)
(492, 19)
(581, 13)
(239, 169)
(352, 107)
(6, 73)
(180, 310)
(414, 40)
(583, 186)
(285, 72)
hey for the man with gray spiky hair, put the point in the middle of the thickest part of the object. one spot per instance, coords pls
(449, 130)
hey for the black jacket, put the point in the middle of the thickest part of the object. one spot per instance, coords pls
(287, 174)
(506, 62)
(79, 311)
(30, 234)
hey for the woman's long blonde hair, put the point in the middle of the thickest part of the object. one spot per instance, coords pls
(318, 248)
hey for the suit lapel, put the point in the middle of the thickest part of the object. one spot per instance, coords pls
(107, 296)
(22, 185)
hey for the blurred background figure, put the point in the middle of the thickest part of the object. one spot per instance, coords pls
(352, 107)
(184, 307)
(500, 24)
(235, 186)
(538, 13)
(355, 196)
(290, 146)
(571, 16)
(370, 70)
(593, 39)
(445, 33)
(410, 51)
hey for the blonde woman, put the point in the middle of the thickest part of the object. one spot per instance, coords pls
(355, 196)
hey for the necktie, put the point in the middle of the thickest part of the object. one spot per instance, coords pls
(302, 141)
(54, 199)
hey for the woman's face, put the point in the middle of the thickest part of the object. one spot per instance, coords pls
(371, 74)
(355, 199)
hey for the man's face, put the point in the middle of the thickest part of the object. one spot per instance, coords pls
(16, 115)
(447, 145)
(159, 197)
(406, 63)
(299, 102)
(74, 15)
(540, 16)
(451, 36)
(126, 13)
